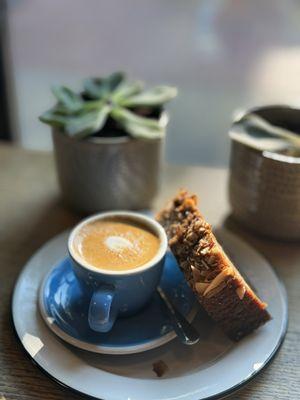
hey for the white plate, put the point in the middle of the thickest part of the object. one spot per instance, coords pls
(213, 368)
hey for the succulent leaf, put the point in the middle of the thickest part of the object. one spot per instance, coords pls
(54, 118)
(152, 97)
(136, 126)
(87, 123)
(126, 89)
(144, 132)
(99, 88)
(68, 99)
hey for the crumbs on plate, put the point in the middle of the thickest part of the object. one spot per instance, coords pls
(160, 368)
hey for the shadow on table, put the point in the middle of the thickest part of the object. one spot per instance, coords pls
(282, 255)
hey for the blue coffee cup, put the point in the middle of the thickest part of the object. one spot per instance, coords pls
(118, 293)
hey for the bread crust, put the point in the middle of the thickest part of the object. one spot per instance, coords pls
(218, 285)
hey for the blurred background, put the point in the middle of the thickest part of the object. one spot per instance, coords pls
(222, 55)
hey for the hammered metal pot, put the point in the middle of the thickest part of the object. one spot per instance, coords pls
(107, 173)
(264, 191)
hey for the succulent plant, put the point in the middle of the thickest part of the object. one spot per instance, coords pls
(83, 114)
(255, 131)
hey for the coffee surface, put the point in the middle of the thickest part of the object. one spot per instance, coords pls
(115, 245)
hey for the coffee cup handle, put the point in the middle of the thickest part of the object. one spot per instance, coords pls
(102, 313)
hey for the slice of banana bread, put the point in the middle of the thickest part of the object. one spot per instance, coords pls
(218, 285)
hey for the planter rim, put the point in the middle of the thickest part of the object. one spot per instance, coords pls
(277, 157)
(270, 155)
(238, 113)
(109, 140)
(283, 158)
(118, 140)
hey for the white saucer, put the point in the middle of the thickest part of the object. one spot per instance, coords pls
(213, 368)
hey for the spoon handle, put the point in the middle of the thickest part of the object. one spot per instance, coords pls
(184, 330)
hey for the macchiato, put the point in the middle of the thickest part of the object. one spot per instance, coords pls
(115, 245)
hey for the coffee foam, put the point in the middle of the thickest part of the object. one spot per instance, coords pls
(115, 245)
(118, 243)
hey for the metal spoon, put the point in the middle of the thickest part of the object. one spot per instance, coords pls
(184, 330)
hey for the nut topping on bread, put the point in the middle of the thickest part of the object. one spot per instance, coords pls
(218, 285)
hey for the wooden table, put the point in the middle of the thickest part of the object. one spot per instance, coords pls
(31, 213)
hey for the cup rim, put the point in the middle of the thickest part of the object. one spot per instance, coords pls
(143, 219)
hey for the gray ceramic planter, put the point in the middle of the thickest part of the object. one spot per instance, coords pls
(107, 173)
(264, 187)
